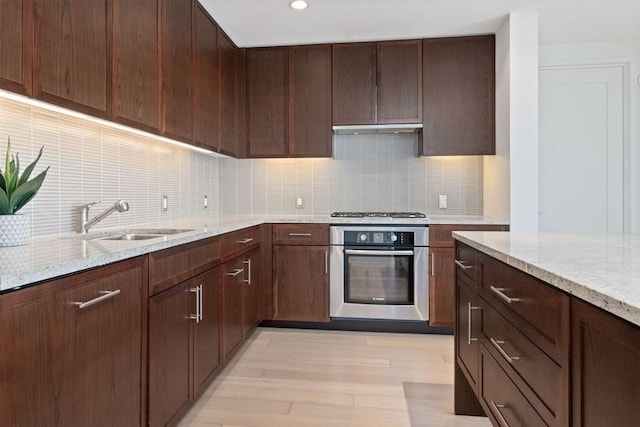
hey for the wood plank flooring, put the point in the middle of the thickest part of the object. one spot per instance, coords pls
(294, 377)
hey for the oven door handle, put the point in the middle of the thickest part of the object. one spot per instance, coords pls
(379, 253)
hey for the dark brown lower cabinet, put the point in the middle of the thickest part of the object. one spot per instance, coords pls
(72, 350)
(184, 328)
(300, 283)
(606, 368)
(251, 292)
(442, 287)
(232, 314)
(468, 321)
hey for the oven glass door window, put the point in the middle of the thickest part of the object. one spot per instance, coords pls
(378, 279)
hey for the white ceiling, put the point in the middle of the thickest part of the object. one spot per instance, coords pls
(271, 22)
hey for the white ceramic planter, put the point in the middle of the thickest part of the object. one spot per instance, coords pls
(14, 230)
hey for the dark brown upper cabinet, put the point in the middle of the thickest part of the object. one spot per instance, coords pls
(72, 54)
(136, 79)
(206, 80)
(354, 83)
(377, 83)
(267, 102)
(16, 31)
(399, 77)
(310, 101)
(177, 100)
(231, 97)
(458, 96)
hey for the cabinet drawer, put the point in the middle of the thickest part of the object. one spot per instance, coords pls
(467, 263)
(174, 265)
(502, 400)
(539, 311)
(440, 235)
(541, 379)
(238, 242)
(300, 234)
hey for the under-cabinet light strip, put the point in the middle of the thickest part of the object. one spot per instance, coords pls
(102, 122)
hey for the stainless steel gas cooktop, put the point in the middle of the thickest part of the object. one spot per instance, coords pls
(378, 215)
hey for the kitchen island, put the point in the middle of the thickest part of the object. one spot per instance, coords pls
(548, 328)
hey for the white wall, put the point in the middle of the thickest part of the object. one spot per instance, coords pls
(516, 125)
(627, 54)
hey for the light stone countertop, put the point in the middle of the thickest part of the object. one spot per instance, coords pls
(52, 256)
(602, 269)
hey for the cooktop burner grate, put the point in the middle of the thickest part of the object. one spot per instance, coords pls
(378, 215)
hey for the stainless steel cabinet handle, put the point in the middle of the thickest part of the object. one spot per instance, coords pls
(245, 241)
(502, 295)
(433, 264)
(235, 272)
(105, 295)
(299, 234)
(198, 316)
(381, 253)
(461, 265)
(504, 354)
(469, 337)
(200, 302)
(247, 262)
(495, 407)
(326, 262)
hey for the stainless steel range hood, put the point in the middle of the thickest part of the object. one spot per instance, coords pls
(373, 129)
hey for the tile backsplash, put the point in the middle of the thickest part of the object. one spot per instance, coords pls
(368, 172)
(92, 162)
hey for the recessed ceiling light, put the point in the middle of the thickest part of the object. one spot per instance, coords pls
(298, 4)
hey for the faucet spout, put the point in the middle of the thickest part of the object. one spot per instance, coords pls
(85, 224)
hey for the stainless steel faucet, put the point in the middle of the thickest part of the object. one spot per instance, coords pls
(84, 223)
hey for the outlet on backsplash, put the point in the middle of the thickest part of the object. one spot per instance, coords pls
(164, 203)
(299, 202)
(442, 201)
(205, 202)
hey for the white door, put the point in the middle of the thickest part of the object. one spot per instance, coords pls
(581, 148)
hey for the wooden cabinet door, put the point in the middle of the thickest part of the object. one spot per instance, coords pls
(399, 68)
(72, 54)
(206, 331)
(468, 318)
(16, 35)
(65, 364)
(458, 96)
(206, 111)
(300, 283)
(231, 97)
(354, 83)
(169, 322)
(267, 102)
(310, 101)
(605, 368)
(177, 69)
(232, 306)
(442, 287)
(135, 65)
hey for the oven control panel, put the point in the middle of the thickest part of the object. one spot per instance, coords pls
(385, 238)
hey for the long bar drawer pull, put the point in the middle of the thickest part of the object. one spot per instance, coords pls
(299, 234)
(461, 265)
(235, 272)
(469, 338)
(495, 407)
(245, 241)
(501, 294)
(105, 295)
(247, 262)
(504, 354)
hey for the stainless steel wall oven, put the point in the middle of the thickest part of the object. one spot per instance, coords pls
(379, 272)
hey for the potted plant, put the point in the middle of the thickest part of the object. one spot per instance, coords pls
(16, 191)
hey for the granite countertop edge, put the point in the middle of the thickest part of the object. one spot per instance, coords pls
(601, 297)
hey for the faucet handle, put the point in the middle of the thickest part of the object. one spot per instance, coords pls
(88, 205)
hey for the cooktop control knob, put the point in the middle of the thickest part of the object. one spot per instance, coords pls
(363, 237)
(394, 237)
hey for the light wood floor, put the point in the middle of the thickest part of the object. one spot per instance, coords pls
(293, 377)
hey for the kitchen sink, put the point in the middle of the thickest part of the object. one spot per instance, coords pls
(130, 234)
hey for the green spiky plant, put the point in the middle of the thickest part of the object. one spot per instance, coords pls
(15, 190)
